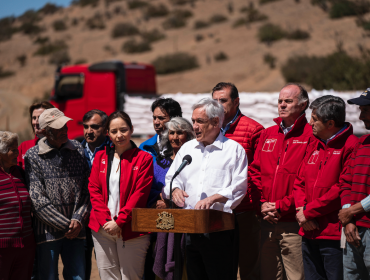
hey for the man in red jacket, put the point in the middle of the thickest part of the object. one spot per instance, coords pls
(355, 198)
(280, 151)
(317, 188)
(246, 132)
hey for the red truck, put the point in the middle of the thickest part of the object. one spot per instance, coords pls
(80, 88)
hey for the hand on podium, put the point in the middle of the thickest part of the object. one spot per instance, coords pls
(178, 197)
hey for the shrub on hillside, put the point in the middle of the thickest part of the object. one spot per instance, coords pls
(199, 37)
(173, 22)
(298, 35)
(239, 22)
(80, 61)
(152, 35)
(343, 8)
(181, 2)
(270, 60)
(29, 16)
(6, 28)
(270, 32)
(133, 46)
(124, 29)
(221, 56)
(95, 22)
(41, 40)
(176, 62)
(49, 48)
(5, 74)
(217, 18)
(136, 4)
(49, 9)
(30, 28)
(251, 15)
(22, 59)
(59, 58)
(59, 25)
(84, 3)
(182, 13)
(199, 24)
(336, 71)
(152, 11)
(267, 1)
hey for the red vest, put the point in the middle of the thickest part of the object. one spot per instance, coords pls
(246, 132)
(317, 184)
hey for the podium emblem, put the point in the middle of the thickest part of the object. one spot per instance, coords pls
(165, 220)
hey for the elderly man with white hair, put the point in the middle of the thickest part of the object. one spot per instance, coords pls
(216, 179)
(57, 174)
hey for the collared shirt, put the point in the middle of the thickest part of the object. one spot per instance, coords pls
(91, 155)
(331, 138)
(227, 127)
(45, 147)
(286, 129)
(219, 168)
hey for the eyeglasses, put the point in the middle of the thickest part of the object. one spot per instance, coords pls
(93, 126)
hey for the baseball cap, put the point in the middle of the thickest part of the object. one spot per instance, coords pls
(364, 99)
(53, 118)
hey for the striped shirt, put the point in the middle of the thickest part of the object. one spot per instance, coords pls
(355, 183)
(15, 209)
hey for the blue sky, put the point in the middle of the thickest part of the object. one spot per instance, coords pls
(18, 7)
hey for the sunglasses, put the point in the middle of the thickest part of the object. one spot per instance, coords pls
(93, 126)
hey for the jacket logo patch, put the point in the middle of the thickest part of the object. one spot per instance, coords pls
(23, 155)
(103, 161)
(135, 168)
(102, 171)
(314, 157)
(269, 145)
(336, 152)
(299, 142)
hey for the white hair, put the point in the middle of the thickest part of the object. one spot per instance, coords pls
(6, 139)
(176, 124)
(213, 109)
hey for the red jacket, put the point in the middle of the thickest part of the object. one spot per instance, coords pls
(276, 163)
(135, 184)
(317, 184)
(23, 148)
(356, 180)
(246, 132)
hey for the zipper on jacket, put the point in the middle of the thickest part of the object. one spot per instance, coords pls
(276, 170)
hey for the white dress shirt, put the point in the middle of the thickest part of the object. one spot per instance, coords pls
(113, 198)
(219, 168)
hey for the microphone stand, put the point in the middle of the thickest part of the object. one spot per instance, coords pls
(177, 245)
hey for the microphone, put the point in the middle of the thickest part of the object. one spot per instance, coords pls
(185, 161)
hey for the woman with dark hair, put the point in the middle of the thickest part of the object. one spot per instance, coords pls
(17, 242)
(121, 178)
(35, 111)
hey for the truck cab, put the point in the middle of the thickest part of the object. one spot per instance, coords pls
(81, 88)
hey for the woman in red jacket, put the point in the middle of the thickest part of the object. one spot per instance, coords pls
(121, 179)
(35, 111)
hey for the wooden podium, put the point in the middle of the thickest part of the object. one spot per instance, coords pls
(180, 221)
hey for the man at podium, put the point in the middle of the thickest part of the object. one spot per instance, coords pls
(216, 179)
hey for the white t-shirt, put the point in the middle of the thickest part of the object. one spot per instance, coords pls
(113, 200)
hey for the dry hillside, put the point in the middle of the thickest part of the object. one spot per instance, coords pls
(245, 64)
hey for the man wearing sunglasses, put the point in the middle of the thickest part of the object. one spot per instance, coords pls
(95, 141)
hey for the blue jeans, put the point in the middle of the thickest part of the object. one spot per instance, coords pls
(356, 261)
(73, 258)
(322, 259)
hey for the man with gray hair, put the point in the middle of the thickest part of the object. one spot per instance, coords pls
(280, 151)
(216, 179)
(317, 188)
(57, 175)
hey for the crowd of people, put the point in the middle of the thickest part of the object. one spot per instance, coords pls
(299, 192)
